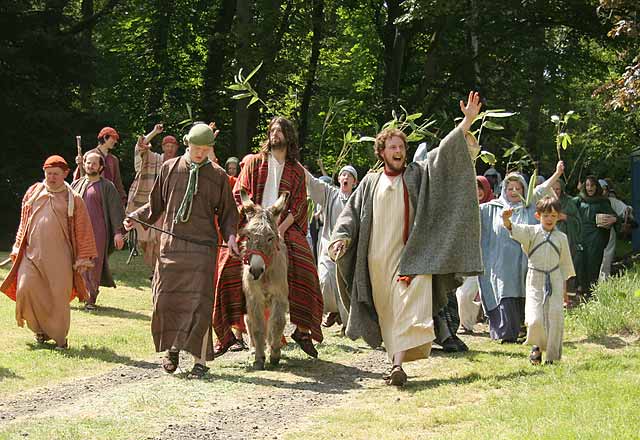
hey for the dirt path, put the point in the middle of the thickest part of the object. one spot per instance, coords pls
(283, 406)
(278, 406)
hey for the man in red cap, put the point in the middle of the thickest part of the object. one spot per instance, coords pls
(53, 246)
(107, 140)
(147, 164)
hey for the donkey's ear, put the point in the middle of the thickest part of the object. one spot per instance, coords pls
(247, 205)
(278, 207)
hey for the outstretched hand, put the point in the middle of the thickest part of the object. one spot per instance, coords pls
(471, 109)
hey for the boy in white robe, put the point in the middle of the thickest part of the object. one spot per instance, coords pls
(550, 265)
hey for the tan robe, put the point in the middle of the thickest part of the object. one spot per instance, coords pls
(404, 313)
(45, 275)
(545, 319)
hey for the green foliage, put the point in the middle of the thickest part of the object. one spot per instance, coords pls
(614, 309)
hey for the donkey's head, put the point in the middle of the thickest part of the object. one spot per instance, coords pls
(260, 235)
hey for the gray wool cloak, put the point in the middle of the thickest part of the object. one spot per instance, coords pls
(113, 217)
(444, 239)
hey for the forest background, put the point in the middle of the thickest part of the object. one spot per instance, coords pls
(339, 68)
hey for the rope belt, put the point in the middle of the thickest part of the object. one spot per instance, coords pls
(548, 289)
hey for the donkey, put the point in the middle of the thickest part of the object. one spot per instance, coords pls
(264, 277)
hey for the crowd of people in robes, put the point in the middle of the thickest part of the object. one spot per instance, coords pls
(379, 256)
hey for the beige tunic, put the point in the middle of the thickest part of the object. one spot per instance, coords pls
(45, 275)
(404, 313)
(545, 319)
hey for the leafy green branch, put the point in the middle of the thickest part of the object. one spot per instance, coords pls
(241, 84)
(563, 138)
(334, 109)
(486, 156)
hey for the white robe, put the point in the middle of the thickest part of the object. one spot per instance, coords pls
(545, 319)
(404, 312)
(468, 308)
(609, 253)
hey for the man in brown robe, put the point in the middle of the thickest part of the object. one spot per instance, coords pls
(106, 213)
(190, 193)
(53, 246)
(108, 137)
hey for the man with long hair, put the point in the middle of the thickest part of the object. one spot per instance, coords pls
(264, 176)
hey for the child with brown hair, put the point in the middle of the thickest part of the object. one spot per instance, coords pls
(550, 265)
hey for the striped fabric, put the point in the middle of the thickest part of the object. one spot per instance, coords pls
(147, 164)
(305, 299)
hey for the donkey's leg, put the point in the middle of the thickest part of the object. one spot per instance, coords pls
(277, 322)
(255, 324)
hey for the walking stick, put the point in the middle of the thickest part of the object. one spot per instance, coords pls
(79, 145)
(132, 239)
(179, 237)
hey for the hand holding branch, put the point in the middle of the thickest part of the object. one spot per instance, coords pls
(506, 218)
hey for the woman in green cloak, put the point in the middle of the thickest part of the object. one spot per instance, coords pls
(594, 235)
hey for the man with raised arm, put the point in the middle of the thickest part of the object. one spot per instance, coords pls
(404, 239)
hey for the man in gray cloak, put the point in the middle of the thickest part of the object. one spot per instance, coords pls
(405, 238)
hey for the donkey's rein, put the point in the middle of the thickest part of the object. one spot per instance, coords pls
(179, 237)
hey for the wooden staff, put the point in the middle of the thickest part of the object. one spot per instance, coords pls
(79, 145)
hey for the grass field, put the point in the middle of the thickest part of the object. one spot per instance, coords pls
(109, 386)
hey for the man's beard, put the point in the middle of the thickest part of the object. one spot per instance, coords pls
(278, 145)
(391, 166)
(92, 174)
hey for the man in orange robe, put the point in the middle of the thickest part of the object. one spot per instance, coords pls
(53, 246)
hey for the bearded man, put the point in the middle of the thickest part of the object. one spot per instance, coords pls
(264, 176)
(106, 212)
(53, 246)
(190, 194)
(403, 239)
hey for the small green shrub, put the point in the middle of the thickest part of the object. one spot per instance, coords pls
(614, 308)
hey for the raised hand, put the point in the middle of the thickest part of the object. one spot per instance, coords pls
(216, 132)
(471, 109)
(158, 128)
(142, 145)
(560, 168)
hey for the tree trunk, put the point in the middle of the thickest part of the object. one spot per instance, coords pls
(241, 116)
(159, 41)
(394, 42)
(537, 97)
(87, 78)
(219, 50)
(316, 42)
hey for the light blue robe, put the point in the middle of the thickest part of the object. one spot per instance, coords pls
(505, 265)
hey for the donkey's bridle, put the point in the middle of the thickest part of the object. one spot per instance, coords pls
(267, 260)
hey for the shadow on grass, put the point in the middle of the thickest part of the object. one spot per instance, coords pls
(102, 354)
(324, 377)
(6, 373)
(611, 342)
(473, 354)
(114, 312)
(413, 386)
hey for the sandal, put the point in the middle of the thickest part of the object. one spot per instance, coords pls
(63, 347)
(304, 341)
(171, 361)
(239, 345)
(90, 306)
(41, 338)
(536, 355)
(198, 371)
(397, 376)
